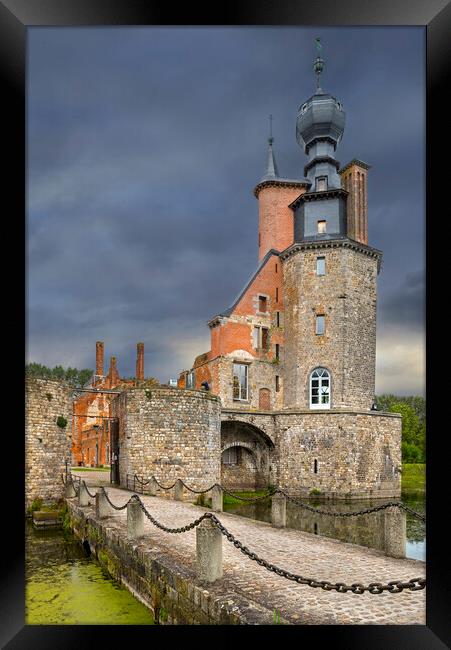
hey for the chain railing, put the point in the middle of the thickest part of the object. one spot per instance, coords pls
(305, 506)
(392, 586)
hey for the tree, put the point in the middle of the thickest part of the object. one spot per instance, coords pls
(74, 377)
(413, 412)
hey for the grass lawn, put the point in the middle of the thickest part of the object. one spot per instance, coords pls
(413, 477)
(90, 469)
(228, 500)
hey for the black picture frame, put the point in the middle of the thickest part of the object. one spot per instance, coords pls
(15, 17)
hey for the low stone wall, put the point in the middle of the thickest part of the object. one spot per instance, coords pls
(47, 446)
(171, 434)
(170, 590)
(357, 454)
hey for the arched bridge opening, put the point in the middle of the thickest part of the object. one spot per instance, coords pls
(246, 456)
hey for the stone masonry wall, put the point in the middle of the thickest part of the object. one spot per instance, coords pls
(47, 446)
(346, 296)
(170, 433)
(357, 454)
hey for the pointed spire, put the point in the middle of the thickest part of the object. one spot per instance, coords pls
(271, 170)
(318, 65)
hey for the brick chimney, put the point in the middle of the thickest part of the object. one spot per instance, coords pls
(99, 358)
(140, 362)
(113, 375)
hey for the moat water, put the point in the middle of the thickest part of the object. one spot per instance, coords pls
(365, 530)
(63, 585)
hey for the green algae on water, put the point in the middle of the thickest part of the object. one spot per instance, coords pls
(63, 586)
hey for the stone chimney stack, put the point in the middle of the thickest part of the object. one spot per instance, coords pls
(99, 358)
(140, 362)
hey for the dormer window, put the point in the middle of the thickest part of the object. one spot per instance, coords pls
(322, 227)
(321, 183)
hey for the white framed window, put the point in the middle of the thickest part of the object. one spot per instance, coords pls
(320, 266)
(320, 381)
(190, 380)
(240, 381)
(320, 324)
(322, 227)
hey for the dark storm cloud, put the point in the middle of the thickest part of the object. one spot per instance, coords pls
(144, 145)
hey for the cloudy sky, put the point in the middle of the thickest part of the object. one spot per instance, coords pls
(144, 146)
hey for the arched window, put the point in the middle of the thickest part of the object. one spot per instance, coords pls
(320, 389)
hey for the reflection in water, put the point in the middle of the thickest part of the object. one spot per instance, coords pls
(366, 530)
(63, 585)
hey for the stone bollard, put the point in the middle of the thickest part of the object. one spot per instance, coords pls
(216, 498)
(178, 490)
(83, 496)
(208, 551)
(394, 532)
(103, 508)
(135, 520)
(70, 490)
(152, 487)
(279, 511)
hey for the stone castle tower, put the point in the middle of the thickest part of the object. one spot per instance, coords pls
(293, 357)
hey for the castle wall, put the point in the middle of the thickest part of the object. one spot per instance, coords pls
(47, 446)
(346, 296)
(171, 434)
(357, 454)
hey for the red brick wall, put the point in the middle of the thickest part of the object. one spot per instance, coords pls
(276, 224)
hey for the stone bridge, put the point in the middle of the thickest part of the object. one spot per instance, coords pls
(164, 570)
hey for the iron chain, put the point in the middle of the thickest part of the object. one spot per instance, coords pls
(393, 587)
(93, 496)
(331, 513)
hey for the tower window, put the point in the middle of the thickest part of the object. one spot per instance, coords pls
(320, 266)
(276, 268)
(190, 379)
(277, 318)
(262, 304)
(320, 389)
(240, 381)
(321, 183)
(277, 350)
(277, 294)
(322, 226)
(320, 324)
(277, 383)
(261, 338)
(315, 466)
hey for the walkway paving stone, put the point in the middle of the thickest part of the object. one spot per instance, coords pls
(297, 551)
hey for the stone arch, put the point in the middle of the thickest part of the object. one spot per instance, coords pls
(250, 467)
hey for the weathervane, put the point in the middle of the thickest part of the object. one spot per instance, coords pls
(318, 64)
(270, 139)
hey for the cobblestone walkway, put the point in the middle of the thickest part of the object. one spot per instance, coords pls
(300, 552)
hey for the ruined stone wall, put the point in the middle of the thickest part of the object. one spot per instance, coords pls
(346, 296)
(357, 454)
(169, 433)
(47, 446)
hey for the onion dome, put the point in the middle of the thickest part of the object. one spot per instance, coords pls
(321, 117)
